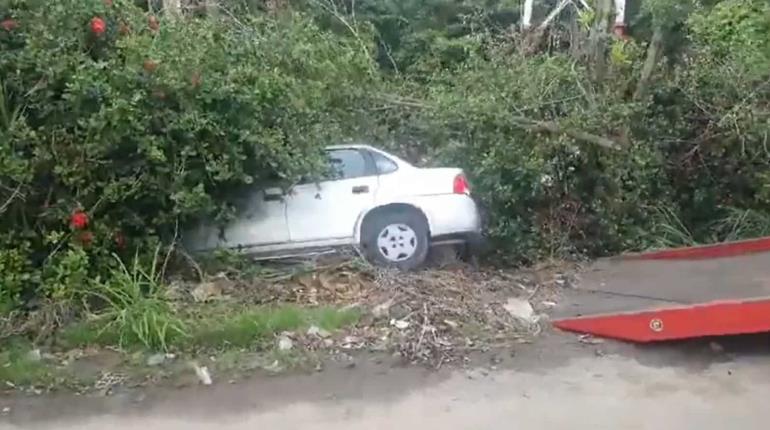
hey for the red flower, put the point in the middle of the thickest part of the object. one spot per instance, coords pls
(98, 26)
(9, 24)
(86, 238)
(108, 3)
(79, 220)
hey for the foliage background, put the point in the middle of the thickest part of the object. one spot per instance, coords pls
(147, 130)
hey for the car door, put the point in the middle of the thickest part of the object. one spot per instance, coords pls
(329, 210)
(260, 220)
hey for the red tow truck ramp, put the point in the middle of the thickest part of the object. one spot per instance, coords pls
(672, 294)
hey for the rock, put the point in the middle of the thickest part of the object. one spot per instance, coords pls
(399, 324)
(352, 342)
(383, 309)
(34, 355)
(6, 410)
(521, 310)
(203, 374)
(548, 304)
(589, 340)
(285, 343)
(274, 367)
(206, 291)
(156, 360)
(318, 331)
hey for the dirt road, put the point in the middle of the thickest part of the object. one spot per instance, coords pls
(556, 384)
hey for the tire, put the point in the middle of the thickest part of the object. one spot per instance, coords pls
(396, 238)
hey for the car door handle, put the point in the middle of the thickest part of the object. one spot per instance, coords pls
(360, 189)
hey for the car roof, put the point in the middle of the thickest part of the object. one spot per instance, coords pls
(351, 146)
(397, 159)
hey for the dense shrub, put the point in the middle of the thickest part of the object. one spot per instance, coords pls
(117, 126)
(143, 122)
(693, 159)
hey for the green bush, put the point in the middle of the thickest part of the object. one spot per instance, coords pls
(150, 124)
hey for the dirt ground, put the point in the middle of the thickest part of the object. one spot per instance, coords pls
(556, 383)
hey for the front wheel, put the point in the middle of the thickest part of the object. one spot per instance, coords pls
(396, 239)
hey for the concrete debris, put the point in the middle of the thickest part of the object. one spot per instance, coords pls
(383, 309)
(590, 340)
(285, 343)
(521, 310)
(202, 372)
(274, 367)
(318, 332)
(400, 324)
(159, 359)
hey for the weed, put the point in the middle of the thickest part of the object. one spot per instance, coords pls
(18, 367)
(137, 310)
(252, 326)
(672, 232)
(742, 224)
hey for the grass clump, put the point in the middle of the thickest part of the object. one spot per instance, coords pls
(250, 326)
(137, 310)
(20, 366)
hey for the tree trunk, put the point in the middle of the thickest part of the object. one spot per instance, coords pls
(654, 51)
(597, 39)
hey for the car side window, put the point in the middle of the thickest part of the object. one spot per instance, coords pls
(346, 164)
(383, 164)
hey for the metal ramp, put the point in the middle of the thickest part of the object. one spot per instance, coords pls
(674, 294)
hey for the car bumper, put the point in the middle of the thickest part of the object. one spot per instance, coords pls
(451, 215)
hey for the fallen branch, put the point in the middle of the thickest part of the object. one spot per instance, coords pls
(556, 128)
(521, 121)
(16, 193)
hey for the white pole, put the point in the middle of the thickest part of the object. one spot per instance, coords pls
(620, 13)
(554, 13)
(526, 16)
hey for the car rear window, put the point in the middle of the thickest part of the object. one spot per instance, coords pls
(384, 164)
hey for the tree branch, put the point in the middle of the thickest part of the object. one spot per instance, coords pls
(530, 124)
(653, 55)
(555, 128)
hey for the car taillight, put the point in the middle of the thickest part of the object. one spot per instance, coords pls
(461, 185)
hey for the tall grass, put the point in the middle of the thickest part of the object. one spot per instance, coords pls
(137, 311)
(670, 230)
(741, 224)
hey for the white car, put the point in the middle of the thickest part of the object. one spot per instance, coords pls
(393, 210)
